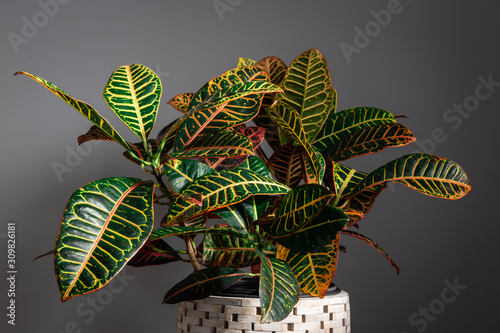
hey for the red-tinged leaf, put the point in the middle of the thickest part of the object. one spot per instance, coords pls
(203, 283)
(370, 140)
(287, 164)
(156, 252)
(372, 244)
(255, 134)
(94, 133)
(181, 102)
(314, 271)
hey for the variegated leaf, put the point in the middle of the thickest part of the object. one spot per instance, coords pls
(216, 145)
(221, 189)
(105, 223)
(298, 207)
(133, 92)
(227, 251)
(157, 252)
(203, 283)
(181, 173)
(307, 88)
(314, 271)
(428, 174)
(278, 289)
(85, 109)
(345, 122)
(94, 133)
(289, 121)
(370, 140)
(372, 244)
(181, 102)
(287, 164)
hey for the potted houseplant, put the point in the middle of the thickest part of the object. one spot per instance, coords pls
(280, 209)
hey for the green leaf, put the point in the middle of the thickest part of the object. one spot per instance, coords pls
(85, 109)
(181, 173)
(278, 289)
(372, 244)
(298, 207)
(221, 189)
(307, 88)
(287, 164)
(133, 92)
(94, 133)
(105, 223)
(256, 205)
(235, 216)
(157, 252)
(226, 101)
(345, 122)
(313, 235)
(242, 62)
(428, 174)
(370, 140)
(257, 165)
(343, 180)
(216, 144)
(190, 231)
(227, 251)
(276, 69)
(203, 283)
(289, 121)
(310, 175)
(314, 271)
(181, 102)
(199, 221)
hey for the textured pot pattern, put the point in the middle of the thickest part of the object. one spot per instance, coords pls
(216, 314)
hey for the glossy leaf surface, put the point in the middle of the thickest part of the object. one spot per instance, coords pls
(170, 231)
(345, 122)
(307, 88)
(181, 173)
(226, 101)
(428, 174)
(289, 121)
(203, 283)
(157, 252)
(370, 140)
(287, 164)
(217, 144)
(221, 189)
(278, 289)
(85, 109)
(235, 216)
(314, 270)
(133, 92)
(298, 207)
(227, 251)
(313, 235)
(105, 223)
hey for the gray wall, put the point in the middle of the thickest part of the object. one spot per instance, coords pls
(424, 59)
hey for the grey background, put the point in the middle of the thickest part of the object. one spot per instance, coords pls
(427, 58)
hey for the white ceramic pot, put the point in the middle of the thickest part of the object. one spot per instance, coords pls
(230, 314)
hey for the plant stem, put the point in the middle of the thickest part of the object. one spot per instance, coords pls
(191, 250)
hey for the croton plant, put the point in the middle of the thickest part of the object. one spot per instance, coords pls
(257, 153)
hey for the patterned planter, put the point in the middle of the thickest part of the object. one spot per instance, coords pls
(226, 314)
